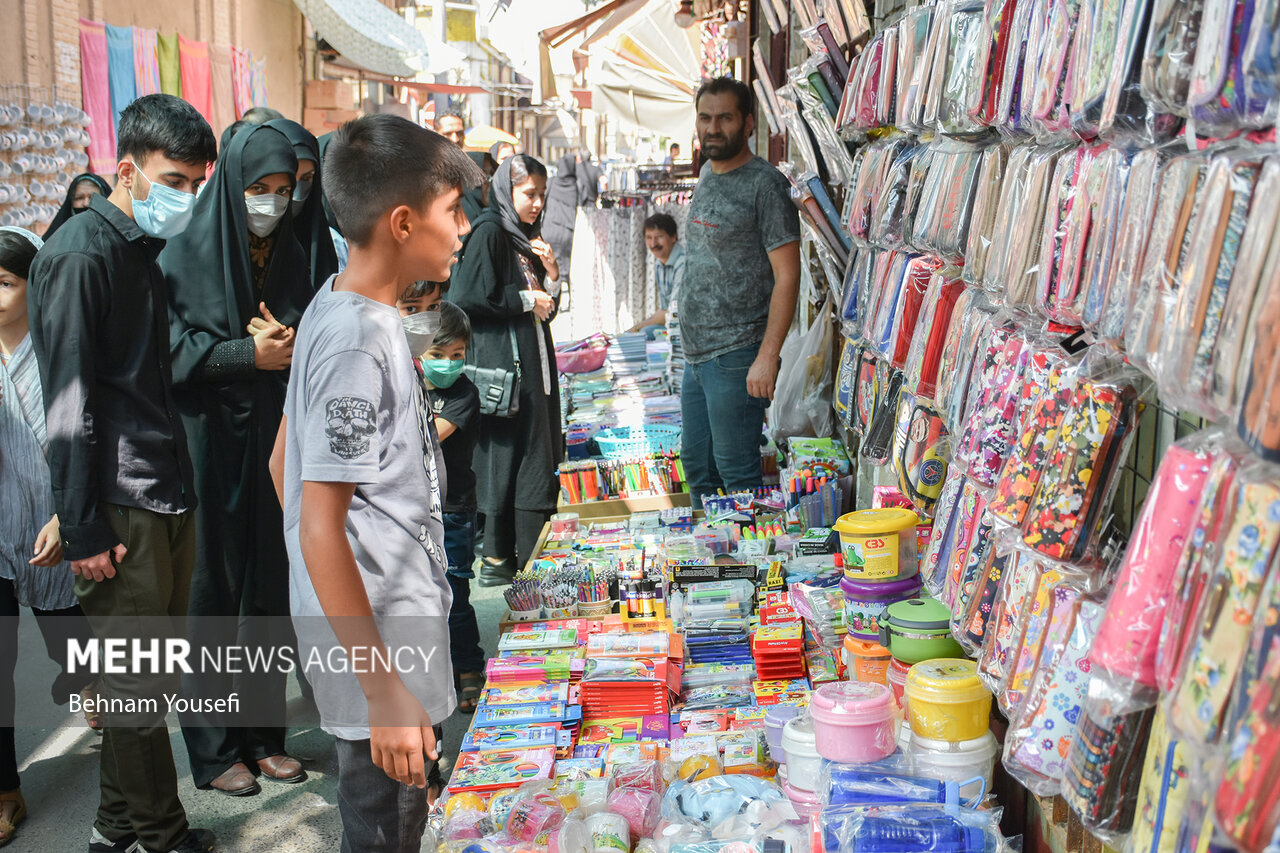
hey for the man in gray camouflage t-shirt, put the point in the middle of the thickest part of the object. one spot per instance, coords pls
(741, 279)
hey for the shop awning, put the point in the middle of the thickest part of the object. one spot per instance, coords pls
(372, 36)
(559, 35)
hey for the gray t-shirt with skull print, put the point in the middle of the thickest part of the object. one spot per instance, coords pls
(356, 414)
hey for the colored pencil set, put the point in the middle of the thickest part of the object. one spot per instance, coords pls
(592, 479)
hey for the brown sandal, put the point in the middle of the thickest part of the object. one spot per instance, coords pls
(8, 826)
(470, 686)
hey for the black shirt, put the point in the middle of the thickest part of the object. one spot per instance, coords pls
(459, 404)
(98, 308)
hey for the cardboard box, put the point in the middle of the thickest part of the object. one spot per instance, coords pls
(624, 507)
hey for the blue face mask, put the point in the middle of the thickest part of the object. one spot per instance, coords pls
(442, 372)
(165, 212)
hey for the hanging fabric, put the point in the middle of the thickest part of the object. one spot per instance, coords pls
(120, 71)
(94, 83)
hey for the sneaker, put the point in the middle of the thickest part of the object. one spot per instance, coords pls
(196, 841)
(98, 843)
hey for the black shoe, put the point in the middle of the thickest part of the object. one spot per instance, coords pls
(196, 841)
(98, 843)
(497, 574)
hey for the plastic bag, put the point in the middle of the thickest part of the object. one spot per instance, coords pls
(920, 828)
(1106, 210)
(965, 52)
(972, 611)
(931, 333)
(804, 383)
(986, 201)
(920, 451)
(913, 65)
(1134, 228)
(1127, 116)
(1006, 623)
(1027, 638)
(1259, 416)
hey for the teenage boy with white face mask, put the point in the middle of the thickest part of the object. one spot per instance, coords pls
(121, 475)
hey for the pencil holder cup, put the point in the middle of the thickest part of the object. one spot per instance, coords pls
(595, 609)
(570, 612)
(526, 615)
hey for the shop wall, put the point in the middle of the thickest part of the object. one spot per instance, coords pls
(43, 49)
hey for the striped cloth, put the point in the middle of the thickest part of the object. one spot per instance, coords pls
(25, 490)
(146, 64)
(96, 89)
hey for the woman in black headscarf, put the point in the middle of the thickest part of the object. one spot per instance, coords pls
(476, 199)
(309, 221)
(238, 261)
(575, 185)
(507, 280)
(82, 188)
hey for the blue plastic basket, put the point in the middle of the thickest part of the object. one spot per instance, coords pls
(625, 442)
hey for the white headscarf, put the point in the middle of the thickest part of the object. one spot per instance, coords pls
(35, 241)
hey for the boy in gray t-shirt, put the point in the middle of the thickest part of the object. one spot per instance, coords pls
(355, 465)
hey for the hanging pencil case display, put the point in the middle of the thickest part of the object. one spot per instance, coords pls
(993, 49)
(953, 536)
(1013, 601)
(1016, 29)
(1164, 792)
(968, 569)
(991, 426)
(941, 226)
(1196, 562)
(1019, 479)
(971, 626)
(1054, 68)
(1257, 266)
(857, 285)
(1065, 518)
(1028, 640)
(1247, 802)
(877, 445)
(918, 272)
(913, 64)
(1166, 246)
(982, 217)
(1103, 229)
(889, 197)
(972, 532)
(1131, 239)
(965, 51)
(931, 332)
(1259, 412)
(919, 451)
(1184, 368)
(1130, 633)
(932, 553)
(1106, 758)
(846, 384)
(971, 324)
(863, 109)
(1220, 629)
(869, 375)
(1169, 56)
(1040, 735)
(1063, 283)
(1228, 89)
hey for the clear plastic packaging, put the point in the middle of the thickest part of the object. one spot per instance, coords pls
(1006, 622)
(1022, 262)
(1259, 413)
(1165, 790)
(913, 65)
(966, 577)
(1220, 629)
(1040, 736)
(1027, 639)
(918, 828)
(1185, 366)
(965, 52)
(1106, 209)
(1169, 56)
(991, 427)
(1127, 115)
(1130, 633)
(932, 329)
(1104, 764)
(986, 201)
(931, 557)
(965, 339)
(920, 451)
(878, 785)
(1131, 240)
(1258, 263)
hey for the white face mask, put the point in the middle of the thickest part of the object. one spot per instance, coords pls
(165, 212)
(265, 211)
(420, 330)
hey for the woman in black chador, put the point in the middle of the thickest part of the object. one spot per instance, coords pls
(310, 224)
(507, 280)
(238, 262)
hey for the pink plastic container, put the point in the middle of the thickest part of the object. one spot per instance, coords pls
(854, 721)
(806, 803)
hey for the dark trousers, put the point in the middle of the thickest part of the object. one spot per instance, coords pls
(514, 535)
(57, 627)
(147, 599)
(379, 815)
(721, 425)
(464, 632)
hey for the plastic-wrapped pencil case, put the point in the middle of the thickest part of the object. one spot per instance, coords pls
(1228, 89)
(1257, 265)
(1027, 640)
(968, 574)
(1012, 189)
(1013, 598)
(965, 67)
(857, 285)
(1065, 518)
(986, 200)
(971, 609)
(1185, 366)
(919, 451)
(1220, 629)
(1195, 565)
(1067, 215)
(991, 427)
(1169, 56)
(888, 204)
(913, 66)
(1130, 634)
(846, 384)
(869, 374)
(1016, 36)
(1131, 240)
(931, 332)
(1019, 479)
(1106, 210)
(1180, 183)
(1021, 264)
(958, 511)
(1041, 732)
(1258, 421)
(1247, 801)
(1054, 70)
(1105, 761)
(877, 445)
(970, 328)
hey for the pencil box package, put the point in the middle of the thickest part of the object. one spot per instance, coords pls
(931, 333)
(982, 216)
(971, 322)
(1006, 622)
(920, 451)
(1131, 236)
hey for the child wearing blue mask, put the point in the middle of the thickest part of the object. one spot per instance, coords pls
(455, 404)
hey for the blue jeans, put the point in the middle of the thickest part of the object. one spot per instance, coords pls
(464, 632)
(722, 425)
(379, 815)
